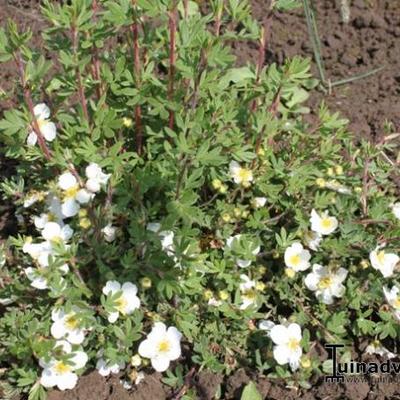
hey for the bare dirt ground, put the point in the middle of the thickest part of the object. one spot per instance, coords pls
(371, 39)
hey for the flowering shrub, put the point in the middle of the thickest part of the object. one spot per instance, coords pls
(173, 208)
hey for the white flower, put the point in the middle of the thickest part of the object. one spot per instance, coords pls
(288, 348)
(297, 258)
(393, 298)
(162, 346)
(313, 240)
(109, 233)
(376, 347)
(383, 262)
(396, 209)
(67, 325)
(47, 128)
(126, 303)
(96, 177)
(248, 291)
(73, 195)
(105, 368)
(259, 202)
(230, 243)
(241, 176)
(325, 283)
(55, 233)
(323, 224)
(61, 373)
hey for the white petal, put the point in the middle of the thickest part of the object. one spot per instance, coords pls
(92, 171)
(58, 329)
(281, 354)
(84, 196)
(41, 111)
(67, 181)
(311, 281)
(160, 364)
(66, 232)
(48, 378)
(31, 140)
(113, 317)
(77, 336)
(49, 131)
(93, 185)
(266, 325)
(70, 208)
(147, 349)
(294, 331)
(111, 287)
(102, 367)
(279, 334)
(79, 359)
(153, 226)
(67, 381)
(51, 231)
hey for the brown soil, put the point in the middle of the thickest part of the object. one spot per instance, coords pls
(371, 39)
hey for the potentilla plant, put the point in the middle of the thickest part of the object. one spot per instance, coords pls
(174, 210)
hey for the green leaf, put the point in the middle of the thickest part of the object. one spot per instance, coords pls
(250, 392)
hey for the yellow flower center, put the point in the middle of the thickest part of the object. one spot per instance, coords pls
(164, 346)
(381, 257)
(293, 344)
(294, 260)
(249, 294)
(71, 322)
(326, 223)
(56, 239)
(41, 123)
(325, 282)
(71, 192)
(61, 368)
(244, 174)
(396, 302)
(121, 305)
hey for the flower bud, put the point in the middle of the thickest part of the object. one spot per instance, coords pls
(226, 217)
(136, 360)
(85, 223)
(223, 295)
(290, 273)
(208, 294)
(339, 169)
(127, 122)
(320, 182)
(305, 362)
(145, 282)
(216, 184)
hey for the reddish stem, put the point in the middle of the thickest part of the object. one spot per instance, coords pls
(260, 63)
(186, 8)
(81, 90)
(137, 68)
(172, 60)
(28, 99)
(95, 57)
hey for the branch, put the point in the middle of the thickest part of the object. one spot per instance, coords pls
(137, 68)
(28, 99)
(81, 90)
(172, 59)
